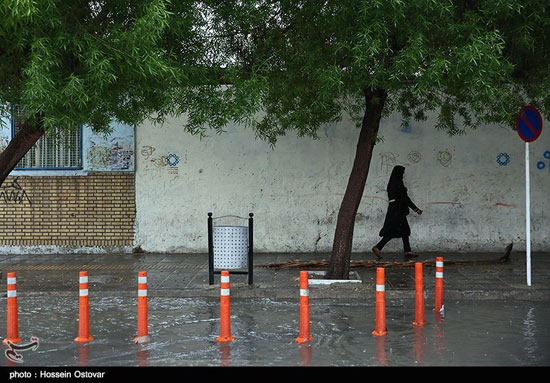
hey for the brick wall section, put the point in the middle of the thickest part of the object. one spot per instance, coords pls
(94, 210)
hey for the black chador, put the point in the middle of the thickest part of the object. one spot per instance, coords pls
(396, 224)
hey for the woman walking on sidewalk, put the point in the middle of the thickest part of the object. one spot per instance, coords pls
(396, 224)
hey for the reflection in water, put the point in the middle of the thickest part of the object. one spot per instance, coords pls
(83, 354)
(419, 343)
(439, 335)
(142, 355)
(306, 353)
(381, 354)
(225, 353)
(10, 363)
(529, 331)
(439, 316)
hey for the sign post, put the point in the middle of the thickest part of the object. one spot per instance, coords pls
(529, 128)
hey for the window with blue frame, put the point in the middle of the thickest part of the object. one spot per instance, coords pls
(56, 150)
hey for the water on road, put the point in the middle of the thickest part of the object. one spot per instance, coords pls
(184, 331)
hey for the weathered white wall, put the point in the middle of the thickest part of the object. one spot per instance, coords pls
(470, 201)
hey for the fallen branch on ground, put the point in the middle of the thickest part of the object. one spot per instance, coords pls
(388, 264)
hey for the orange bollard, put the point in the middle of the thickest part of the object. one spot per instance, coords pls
(439, 307)
(380, 326)
(142, 322)
(83, 310)
(419, 295)
(304, 335)
(12, 314)
(225, 309)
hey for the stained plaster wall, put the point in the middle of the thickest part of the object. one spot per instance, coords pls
(471, 188)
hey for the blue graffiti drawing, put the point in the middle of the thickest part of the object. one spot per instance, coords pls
(406, 129)
(172, 159)
(503, 159)
(541, 164)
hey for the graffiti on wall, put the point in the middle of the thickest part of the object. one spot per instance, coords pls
(169, 161)
(147, 151)
(13, 192)
(116, 155)
(444, 157)
(544, 163)
(414, 157)
(406, 129)
(172, 160)
(503, 159)
(386, 162)
(120, 157)
(3, 143)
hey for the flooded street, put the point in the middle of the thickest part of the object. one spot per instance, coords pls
(184, 331)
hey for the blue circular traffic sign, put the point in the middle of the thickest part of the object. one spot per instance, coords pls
(529, 123)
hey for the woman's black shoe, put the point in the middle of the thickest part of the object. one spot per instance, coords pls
(376, 252)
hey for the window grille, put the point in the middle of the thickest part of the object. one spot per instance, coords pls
(56, 150)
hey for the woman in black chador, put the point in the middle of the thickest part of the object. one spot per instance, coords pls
(395, 224)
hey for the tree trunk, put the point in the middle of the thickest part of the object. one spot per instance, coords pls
(23, 141)
(338, 267)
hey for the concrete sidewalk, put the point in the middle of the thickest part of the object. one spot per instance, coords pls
(466, 276)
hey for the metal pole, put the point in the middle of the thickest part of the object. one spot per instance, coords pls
(210, 251)
(527, 214)
(250, 249)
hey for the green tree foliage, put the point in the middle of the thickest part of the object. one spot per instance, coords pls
(90, 62)
(295, 65)
(68, 63)
(302, 63)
